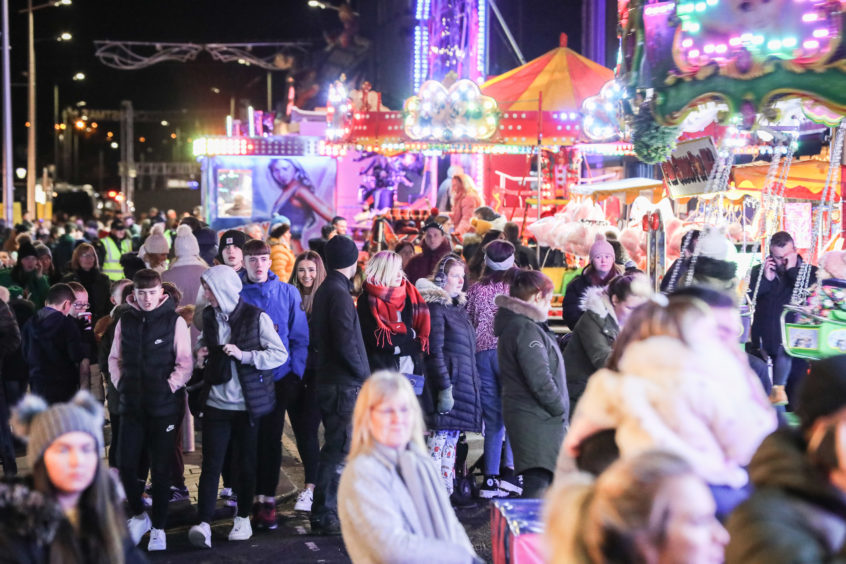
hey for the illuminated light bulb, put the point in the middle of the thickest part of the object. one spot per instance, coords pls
(811, 44)
(687, 43)
(709, 48)
(758, 40)
(809, 17)
(789, 42)
(694, 27)
(819, 33)
(747, 37)
(572, 115)
(722, 48)
(735, 41)
(774, 44)
(693, 53)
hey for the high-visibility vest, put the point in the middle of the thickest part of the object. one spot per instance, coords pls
(111, 264)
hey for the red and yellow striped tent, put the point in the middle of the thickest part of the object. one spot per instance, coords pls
(563, 76)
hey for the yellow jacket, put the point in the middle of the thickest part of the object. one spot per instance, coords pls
(281, 259)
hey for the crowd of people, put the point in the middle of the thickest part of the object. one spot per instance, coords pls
(651, 431)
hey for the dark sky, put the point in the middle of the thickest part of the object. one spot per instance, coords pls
(173, 86)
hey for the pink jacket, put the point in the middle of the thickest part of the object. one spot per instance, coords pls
(482, 310)
(701, 403)
(182, 368)
(462, 211)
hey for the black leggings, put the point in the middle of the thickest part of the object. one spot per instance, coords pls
(305, 421)
(299, 399)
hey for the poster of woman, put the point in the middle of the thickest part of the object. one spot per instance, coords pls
(300, 190)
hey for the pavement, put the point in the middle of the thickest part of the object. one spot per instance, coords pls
(292, 541)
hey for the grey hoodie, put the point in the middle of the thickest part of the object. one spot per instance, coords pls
(225, 284)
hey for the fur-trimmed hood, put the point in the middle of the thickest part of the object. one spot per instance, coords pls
(595, 300)
(26, 513)
(434, 294)
(520, 307)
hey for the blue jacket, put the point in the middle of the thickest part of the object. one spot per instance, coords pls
(283, 304)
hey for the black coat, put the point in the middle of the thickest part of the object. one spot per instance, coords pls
(385, 356)
(15, 367)
(773, 295)
(52, 348)
(335, 337)
(451, 362)
(571, 305)
(795, 513)
(33, 525)
(98, 287)
(525, 257)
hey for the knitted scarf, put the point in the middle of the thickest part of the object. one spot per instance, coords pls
(385, 303)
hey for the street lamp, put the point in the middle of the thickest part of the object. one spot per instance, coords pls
(65, 36)
(79, 76)
(31, 145)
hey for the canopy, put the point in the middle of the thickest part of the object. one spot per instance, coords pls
(805, 181)
(563, 76)
(627, 189)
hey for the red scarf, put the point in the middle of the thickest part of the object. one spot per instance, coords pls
(386, 301)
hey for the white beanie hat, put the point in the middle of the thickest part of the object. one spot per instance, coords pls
(156, 242)
(714, 244)
(185, 244)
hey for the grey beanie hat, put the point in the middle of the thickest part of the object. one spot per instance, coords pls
(41, 425)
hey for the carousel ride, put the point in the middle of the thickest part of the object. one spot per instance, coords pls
(757, 78)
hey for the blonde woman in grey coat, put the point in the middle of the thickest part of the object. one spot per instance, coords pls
(391, 502)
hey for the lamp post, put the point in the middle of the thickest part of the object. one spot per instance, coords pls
(31, 141)
(8, 179)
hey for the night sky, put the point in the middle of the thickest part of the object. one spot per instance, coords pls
(173, 86)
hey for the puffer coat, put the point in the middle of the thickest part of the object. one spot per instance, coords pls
(451, 362)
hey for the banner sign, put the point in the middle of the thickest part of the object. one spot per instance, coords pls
(687, 170)
(270, 190)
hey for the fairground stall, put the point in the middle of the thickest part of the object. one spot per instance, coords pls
(768, 73)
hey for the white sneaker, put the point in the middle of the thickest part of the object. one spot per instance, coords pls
(200, 535)
(225, 493)
(158, 540)
(138, 527)
(241, 530)
(304, 500)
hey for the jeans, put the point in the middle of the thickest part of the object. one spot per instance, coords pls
(140, 434)
(491, 395)
(781, 367)
(336, 407)
(535, 482)
(222, 428)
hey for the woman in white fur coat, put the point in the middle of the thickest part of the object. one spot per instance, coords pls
(671, 384)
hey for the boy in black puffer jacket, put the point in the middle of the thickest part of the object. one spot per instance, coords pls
(150, 362)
